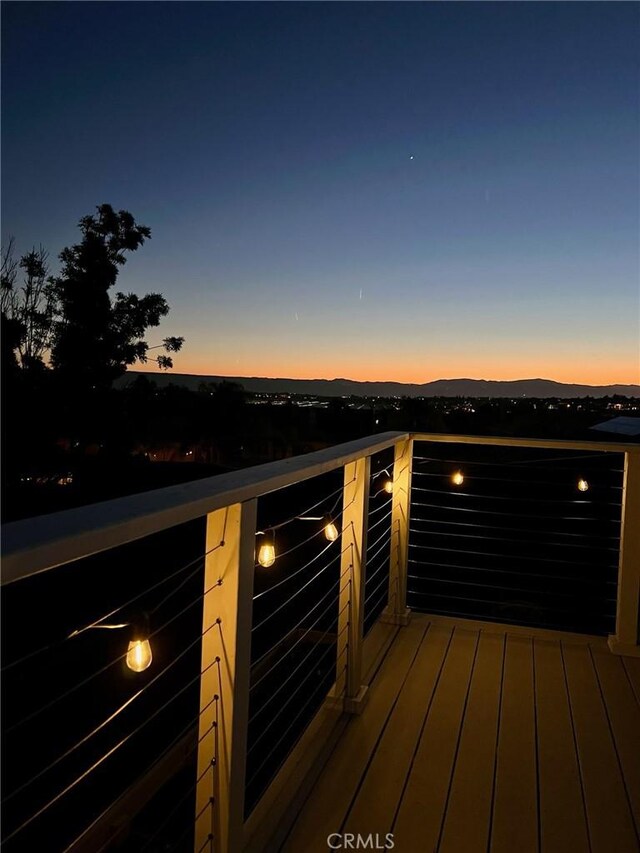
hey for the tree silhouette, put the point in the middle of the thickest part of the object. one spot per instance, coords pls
(95, 338)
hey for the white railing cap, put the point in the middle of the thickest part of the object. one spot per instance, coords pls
(37, 544)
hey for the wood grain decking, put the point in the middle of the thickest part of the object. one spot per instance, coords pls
(483, 738)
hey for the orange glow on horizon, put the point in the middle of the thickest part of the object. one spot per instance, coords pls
(578, 373)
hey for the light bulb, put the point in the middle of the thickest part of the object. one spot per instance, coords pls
(583, 485)
(139, 655)
(267, 552)
(458, 478)
(330, 531)
(388, 486)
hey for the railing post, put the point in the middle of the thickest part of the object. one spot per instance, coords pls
(627, 637)
(396, 612)
(224, 683)
(349, 689)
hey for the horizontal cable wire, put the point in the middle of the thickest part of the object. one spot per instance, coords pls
(509, 539)
(293, 721)
(278, 689)
(381, 506)
(108, 754)
(281, 708)
(506, 556)
(495, 586)
(374, 607)
(112, 716)
(107, 666)
(111, 613)
(191, 724)
(592, 455)
(511, 498)
(293, 574)
(512, 515)
(332, 604)
(380, 521)
(373, 591)
(386, 534)
(527, 482)
(370, 576)
(508, 572)
(297, 625)
(297, 592)
(518, 530)
(309, 509)
(379, 551)
(500, 603)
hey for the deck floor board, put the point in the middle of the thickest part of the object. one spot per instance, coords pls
(482, 738)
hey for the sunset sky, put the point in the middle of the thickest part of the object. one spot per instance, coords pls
(404, 191)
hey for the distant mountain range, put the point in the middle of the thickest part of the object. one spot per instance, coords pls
(438, 388)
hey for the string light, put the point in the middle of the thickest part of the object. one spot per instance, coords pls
(388, 486)
(139, 654)
(330, 530)
(267, 551)
(458, 478)
(583, 485)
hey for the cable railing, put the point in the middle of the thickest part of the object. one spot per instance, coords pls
(526, 538)
(191, 653)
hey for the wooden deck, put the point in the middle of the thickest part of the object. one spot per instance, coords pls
(480, 737)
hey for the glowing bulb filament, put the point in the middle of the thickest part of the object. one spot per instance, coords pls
(331, 531)
(583, 486)
(139, 655)
(267, 554)
(458, 478)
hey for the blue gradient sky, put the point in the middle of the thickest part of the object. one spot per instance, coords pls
(268, 146)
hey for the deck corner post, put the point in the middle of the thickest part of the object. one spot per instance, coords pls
(626, 640)
(396, 611)
(224, 681)
(350, 694)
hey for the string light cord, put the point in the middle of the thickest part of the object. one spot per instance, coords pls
(517, 529)
(332, 604)
(281, 687)
(311, 508)
(295, 627)
(284, 704)
(293, 574)
(112, 663)
(512, 498)
(96, 622)
(505, 556)
(508, 539)
(542, 462)
(507, 479)
(111, 717)
(288, 729)
(512, 515)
